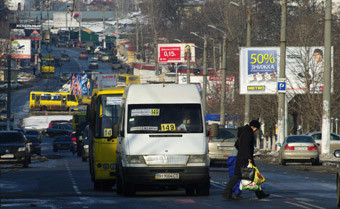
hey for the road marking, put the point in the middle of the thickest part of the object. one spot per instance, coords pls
(74, 183)
(298, 205)
(217, 184)
(312, 206)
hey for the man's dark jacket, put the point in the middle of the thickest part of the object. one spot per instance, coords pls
(245, 147)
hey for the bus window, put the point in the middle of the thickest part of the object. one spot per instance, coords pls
(71, 98)
(133, 78)
(46, 97)
(122, 79)
(56, 97)
(33, 97)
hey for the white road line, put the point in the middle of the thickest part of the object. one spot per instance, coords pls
(74, 183)
(298, 205)
(217, 184)
(312, 206)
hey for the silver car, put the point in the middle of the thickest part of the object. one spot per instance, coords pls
(299, 148)
(222, 145)
(334, 140)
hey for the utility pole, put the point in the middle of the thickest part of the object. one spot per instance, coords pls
(188, 63)
(214, 53)
(327, 81)
(247, 96)
(137, 36)
(223, 86)
(80, 28)
(104, 31)
(282, 75)
(41, 36)
(9, 56)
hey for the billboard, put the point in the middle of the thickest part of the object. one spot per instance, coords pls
(21, 48)
(63, 19)
(80, 84)
(260, 67)
(104, 80)
(175, 52)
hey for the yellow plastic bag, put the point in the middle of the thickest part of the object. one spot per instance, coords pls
(258, 179)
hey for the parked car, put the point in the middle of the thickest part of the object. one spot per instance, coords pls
(85, 145)
(116, 64)
(65, 58)
(60, 44)
(65, 76)
(222, 145)
(52, 122)
(16, 147)
(93, 64)
(334, 140)
(63, 143)
(59, 129)
(106, 57)
(35, 145)
(299, 148)
(83, 56)
(57, 62)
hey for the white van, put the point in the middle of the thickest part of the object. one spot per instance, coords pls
(162, 139)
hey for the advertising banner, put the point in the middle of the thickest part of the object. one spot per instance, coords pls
(104, 80)
(259, 70)
(80, 84)
(21, 48)
(175, 52)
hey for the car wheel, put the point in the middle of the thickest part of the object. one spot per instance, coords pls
(316, 162)
(203, 189)
(128, 188)
(189, 190)
(83, 159)
(283, 162)
(55, 150)
(97, 185)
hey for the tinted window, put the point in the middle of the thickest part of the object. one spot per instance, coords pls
(335, 137)
(63, 139)
(300, 139)
(32, 132)
(32, 139)
(11, 138)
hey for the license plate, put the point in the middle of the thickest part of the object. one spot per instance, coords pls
(167, 176)
(224, 148)
(301, 148)
(7, 156)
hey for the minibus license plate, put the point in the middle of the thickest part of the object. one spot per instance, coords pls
(167, 176)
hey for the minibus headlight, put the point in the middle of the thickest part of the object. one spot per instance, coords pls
(135, 159)
(113, 166)
(106, 166)
(197, 158)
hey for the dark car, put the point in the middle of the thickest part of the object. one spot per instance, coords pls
(53, 122)
(17, 149)
(60, 44)
(33, 133)
(35, 144)
(83, 56)
(65, 58)
(63, 143)
(85, 144)
(93, 64)
(65, 77)
(116, 64)
(59, 129)
(57, 62)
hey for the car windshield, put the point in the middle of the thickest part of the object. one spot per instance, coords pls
(165, 118)
(6, 137)
(225, 135)
(298, 139)
(32, 132)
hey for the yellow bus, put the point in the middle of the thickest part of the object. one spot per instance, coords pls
(52, 101)
(125, 80)
(102, 115)
(47, 64)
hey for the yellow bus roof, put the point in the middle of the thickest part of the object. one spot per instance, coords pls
(113, 90)
(47, 92)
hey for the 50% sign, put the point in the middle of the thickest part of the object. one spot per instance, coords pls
(262, 58)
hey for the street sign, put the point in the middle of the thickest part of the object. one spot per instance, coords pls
(175, 53)
(281, 87)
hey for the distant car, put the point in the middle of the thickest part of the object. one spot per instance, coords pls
(60, 44)
(334, 140)
(3, 115)
(221, 146)
(65, 58)
(57, 62)
(85, 144)
(35, 144)
(59, 129)
(63, 143)
(93, 64)
(83, 56)
(65, 77)
(17, 148)
(107, 57)
(299, 148)
(32, 133)
(116, 64)
(95, 58)
(52, 122)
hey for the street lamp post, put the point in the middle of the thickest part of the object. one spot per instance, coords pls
(214, 53)
(205, 72)
(223, 71)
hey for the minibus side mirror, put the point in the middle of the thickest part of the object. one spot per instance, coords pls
(115, 131)
(214, 130)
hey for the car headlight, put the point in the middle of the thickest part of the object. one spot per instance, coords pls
(86, 146)
(197, 158)
(135, 159)
(21, 149)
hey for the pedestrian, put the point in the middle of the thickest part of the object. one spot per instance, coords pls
(245, 147)
(231, 161)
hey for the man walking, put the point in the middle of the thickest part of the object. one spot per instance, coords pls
(245, 146)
